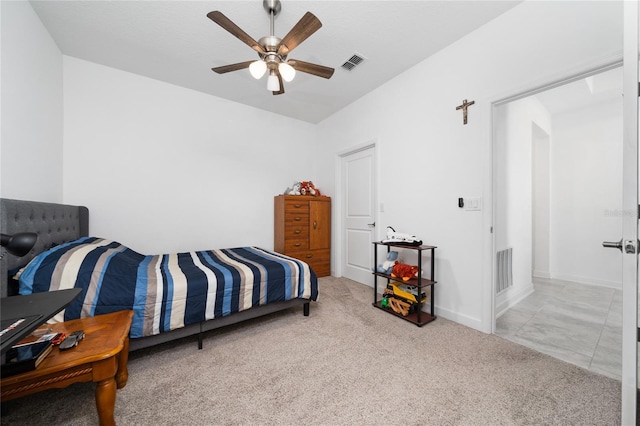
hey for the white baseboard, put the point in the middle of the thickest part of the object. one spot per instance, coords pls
(588, 281)
(511, 297)
(465, 320)
(542, 274)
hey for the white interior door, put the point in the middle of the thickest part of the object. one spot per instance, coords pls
(358, 214)
(629, 241)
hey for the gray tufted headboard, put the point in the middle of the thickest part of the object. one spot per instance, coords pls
(54, 224)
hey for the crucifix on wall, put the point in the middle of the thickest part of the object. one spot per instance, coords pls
(464, 107)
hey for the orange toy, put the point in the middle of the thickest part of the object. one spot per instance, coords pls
(307, 188)
(404, 271)
(399, 306)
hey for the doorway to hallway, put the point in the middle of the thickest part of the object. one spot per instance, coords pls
(558, 193)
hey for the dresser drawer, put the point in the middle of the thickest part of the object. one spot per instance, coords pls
(293, 206)
(319, 260)
(296, 218)
(296, 245)
(296, 231)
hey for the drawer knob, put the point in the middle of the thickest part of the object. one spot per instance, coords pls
(297, 219)
(296, 245)
(297, 205)
(297, 231)
(309, 256)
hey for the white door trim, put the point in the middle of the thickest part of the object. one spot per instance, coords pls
(630, 221)
(338, 236)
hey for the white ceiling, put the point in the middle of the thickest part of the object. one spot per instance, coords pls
(175, 42)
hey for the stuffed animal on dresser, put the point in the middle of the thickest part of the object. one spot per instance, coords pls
(308, 188)
(295, 190)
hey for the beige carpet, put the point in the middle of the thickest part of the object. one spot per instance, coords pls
(346, 364)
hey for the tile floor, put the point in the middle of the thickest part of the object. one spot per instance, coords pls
(577, 323)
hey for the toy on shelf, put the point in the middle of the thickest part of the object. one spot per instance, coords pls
(396, 304)
(399, 307)
(406, 292)
(386, 266)
(404, 272)
(398, 237)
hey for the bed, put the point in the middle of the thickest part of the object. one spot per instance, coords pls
(172, 295)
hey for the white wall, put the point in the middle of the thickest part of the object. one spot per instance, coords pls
(541, 168)
(165, 169)
(414, 120)
(31, 107)
(586, 193)
(515, 123)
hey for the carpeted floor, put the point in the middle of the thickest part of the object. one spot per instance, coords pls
(347, 363)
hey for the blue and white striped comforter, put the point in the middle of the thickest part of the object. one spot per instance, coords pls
(167, 291)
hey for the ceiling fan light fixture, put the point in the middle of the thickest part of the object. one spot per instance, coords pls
(273, 51)
(286, 71)
(273, 84)
(258, 68)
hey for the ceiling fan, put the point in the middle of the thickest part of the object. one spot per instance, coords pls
(273, 51)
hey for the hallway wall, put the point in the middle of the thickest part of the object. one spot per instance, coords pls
(586, 206)
(585, 197)
(514, 124)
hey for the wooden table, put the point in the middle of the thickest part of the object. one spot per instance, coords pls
(101, 357)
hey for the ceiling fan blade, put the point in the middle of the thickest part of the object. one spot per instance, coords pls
(309, 68)
(306, 26)
(233, 67)
(281, 91)
(226, 23)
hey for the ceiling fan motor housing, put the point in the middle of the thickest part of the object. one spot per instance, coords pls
(270, 43)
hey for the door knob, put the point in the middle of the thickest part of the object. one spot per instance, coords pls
(629, 245)
(612, 244)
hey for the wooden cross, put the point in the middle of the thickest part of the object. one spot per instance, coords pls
(464, 107)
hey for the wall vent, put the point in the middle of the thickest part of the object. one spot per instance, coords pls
(355, 60)
(504, 270)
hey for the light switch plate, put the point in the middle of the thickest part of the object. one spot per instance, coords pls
(473, 204)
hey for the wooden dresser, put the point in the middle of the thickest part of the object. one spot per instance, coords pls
(302, 229)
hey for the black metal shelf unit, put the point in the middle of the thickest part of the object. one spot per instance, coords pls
(417, 317)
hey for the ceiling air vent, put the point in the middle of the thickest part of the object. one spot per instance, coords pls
(353, 61)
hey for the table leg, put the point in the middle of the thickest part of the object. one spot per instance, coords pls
(122, 375)
(106, 401)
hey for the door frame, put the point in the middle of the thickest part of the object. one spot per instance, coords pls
(630, 206)
(339, 205)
